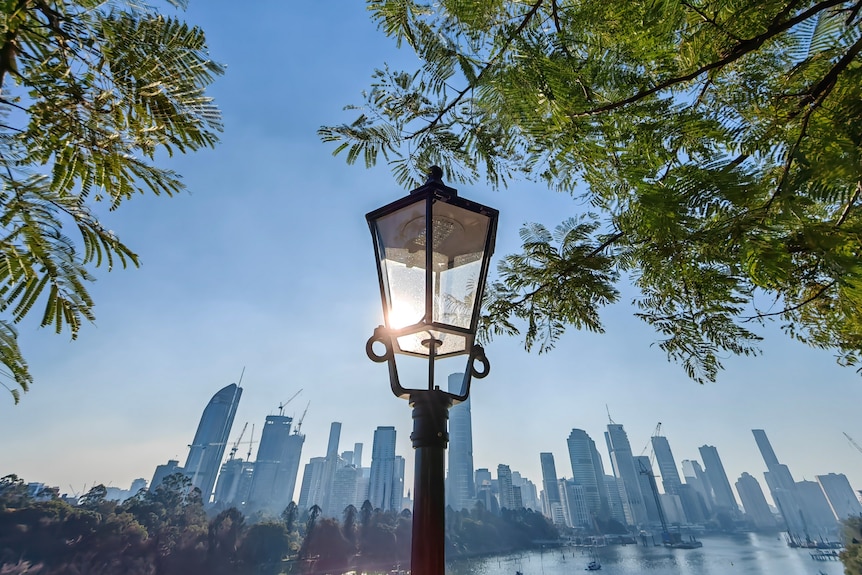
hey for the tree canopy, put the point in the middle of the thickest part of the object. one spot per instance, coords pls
(716, 143)
(90, 92)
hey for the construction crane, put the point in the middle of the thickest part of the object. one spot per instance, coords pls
(853, 443)
(283, 404)
(250, 443)
(236, 445)
(301, 419)
(668, 539)
(644, 470)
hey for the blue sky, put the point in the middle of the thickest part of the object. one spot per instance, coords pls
(266, 264)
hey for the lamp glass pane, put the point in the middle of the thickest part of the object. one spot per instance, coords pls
(459, 237)
(459, 246)
(402, 265)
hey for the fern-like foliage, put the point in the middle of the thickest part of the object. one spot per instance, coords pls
(91, 90)
(719, 144)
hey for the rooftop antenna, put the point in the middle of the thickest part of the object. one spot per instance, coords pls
(242, 373)
(612, 422)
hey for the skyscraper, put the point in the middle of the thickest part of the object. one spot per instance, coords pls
(819, 517)
(588, 471)
(551, 486)
(331, 466)
(666, 464)
(714, 469)
(576, 513)
(277, 465)
(644, 469)
(697, 479)
(234, 483)
(504, 485)
(628, 477)
(460, 488)
(782, 487)
(312, 479)
(840, 495)
(207, 449)
(756, 508)
(165, 470)
(382, 483)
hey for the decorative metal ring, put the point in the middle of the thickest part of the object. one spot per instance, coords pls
(479, 355)
(369, 347)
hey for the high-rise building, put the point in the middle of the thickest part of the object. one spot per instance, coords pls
(234, 483)
(666, 464)
(576, 513)
(765, 448)
(277, 465)
(332, 464)
(819, 517)
(357, 455)
(840, 495)
(312, 478)
(551, 486)
(588, 471)
(714, 469)
(644, 468)
(381, 488)
(628, 478)
(782, 487)
(694, 476)
(398, 498)
(460, 488)
(670, 479)
(207, 448)
(344, 490)
(754, 502)
(163, 471)
(615, 502)
(692, 504)
(504, 485)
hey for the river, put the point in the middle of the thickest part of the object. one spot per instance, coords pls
(744, 554)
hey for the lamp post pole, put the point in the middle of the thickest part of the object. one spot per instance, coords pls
(433, 250)
(430, 438)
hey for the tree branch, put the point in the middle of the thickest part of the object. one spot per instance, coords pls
(741, 49)
(849, 205)
(801, 304)
(712, 21)
(785, 171)
(491, 62)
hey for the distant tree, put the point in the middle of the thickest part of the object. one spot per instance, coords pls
(225, 533)
(13, 492)
(713, 150)
(93, 498)
(289, 516)
(310, 523)
(851, 557)
(327, 549)
(265, 545)
(348, 526)
(90, 92)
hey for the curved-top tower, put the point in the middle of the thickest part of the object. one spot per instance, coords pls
(207, 449)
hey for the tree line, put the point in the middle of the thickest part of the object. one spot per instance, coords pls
(168, 531)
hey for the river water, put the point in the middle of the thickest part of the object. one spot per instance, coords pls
(744, 554)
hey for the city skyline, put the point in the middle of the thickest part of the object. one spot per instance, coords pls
(335, 481)
(270, 251)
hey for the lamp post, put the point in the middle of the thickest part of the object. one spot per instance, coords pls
(433, 251)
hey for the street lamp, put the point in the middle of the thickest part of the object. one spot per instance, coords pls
(431, 301)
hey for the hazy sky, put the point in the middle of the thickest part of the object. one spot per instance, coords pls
(267, 265)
